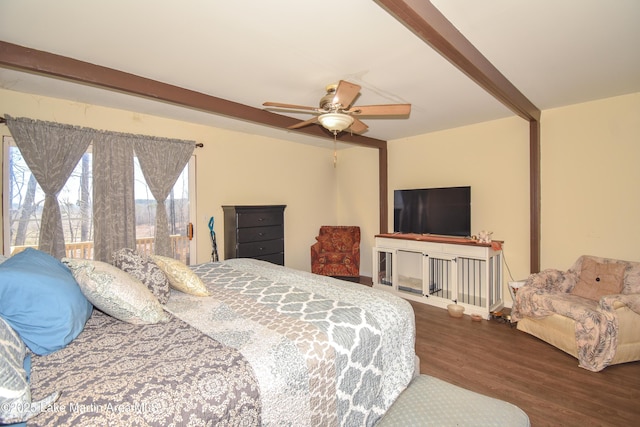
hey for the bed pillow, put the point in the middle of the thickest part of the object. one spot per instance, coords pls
(15, 393)
(116, 293)
(598, 279)
(41, 301)
(181, 277)
(144, 269)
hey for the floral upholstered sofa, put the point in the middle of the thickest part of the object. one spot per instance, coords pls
(591, 311)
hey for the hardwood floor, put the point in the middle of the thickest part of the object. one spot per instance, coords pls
(497, 360)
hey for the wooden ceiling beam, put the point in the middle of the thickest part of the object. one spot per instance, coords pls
(52, 65)
(428, 23)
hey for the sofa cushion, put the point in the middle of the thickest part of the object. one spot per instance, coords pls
(41, 300)
(598, 279)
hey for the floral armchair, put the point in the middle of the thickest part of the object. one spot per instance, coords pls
(336, 251)
(591, 311)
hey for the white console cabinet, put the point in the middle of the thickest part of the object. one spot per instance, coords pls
(440, 270)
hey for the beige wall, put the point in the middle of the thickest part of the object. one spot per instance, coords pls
(358, 197)
(589, 177)
(590, 200)
(590, 181)
(492, 158)
(232, 168)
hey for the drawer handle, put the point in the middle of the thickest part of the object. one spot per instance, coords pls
(260, 219)
(261, 234)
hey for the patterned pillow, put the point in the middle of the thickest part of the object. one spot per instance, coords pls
(116, 293)
(181, 277)
(15, 395)
(144, 269)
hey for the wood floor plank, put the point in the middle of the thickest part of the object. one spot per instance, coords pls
(497, 360)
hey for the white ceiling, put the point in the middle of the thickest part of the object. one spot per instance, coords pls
(556, 52)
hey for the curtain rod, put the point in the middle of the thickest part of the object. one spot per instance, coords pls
(3, 120)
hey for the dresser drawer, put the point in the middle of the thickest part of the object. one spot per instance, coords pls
(259, 219)
(273, 258)
(259, 234)
(256, 249)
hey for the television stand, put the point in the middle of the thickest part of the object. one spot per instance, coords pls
(440, 270)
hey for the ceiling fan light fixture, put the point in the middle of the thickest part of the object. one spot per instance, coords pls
(335, 122)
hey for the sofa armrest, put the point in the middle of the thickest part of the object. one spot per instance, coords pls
(316, 251)
(552, 281)
(532, 299)
(613, 302)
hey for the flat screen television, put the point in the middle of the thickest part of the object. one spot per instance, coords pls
(444, 211)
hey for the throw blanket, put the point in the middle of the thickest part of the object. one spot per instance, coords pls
(596, 322)
(272, 346)
(168, 374)
(319, 354)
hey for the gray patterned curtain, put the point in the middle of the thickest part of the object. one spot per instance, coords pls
(52, 151)
(162, 160)
(114, 216)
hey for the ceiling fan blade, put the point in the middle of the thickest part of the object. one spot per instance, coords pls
(304, 123)
(346, 93)
(381, 110)
(357, 126)
(291, 106)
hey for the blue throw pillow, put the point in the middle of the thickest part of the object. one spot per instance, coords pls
(42, 301)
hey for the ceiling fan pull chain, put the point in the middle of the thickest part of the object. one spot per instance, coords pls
(335, 150)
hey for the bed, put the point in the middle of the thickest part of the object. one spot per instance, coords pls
(269, 346)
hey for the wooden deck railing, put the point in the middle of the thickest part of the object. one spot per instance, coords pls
(179, 246)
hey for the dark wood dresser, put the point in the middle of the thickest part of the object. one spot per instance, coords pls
(254, 232)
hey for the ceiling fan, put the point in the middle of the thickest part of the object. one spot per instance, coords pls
(336, 113)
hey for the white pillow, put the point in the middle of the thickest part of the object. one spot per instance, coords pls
(116, 293)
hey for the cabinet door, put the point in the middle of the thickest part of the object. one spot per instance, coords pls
(440, 276)
(480, 281)
(472, 281)
(383, 267)
(410, 272)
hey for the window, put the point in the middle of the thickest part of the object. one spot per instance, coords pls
(24, 200)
